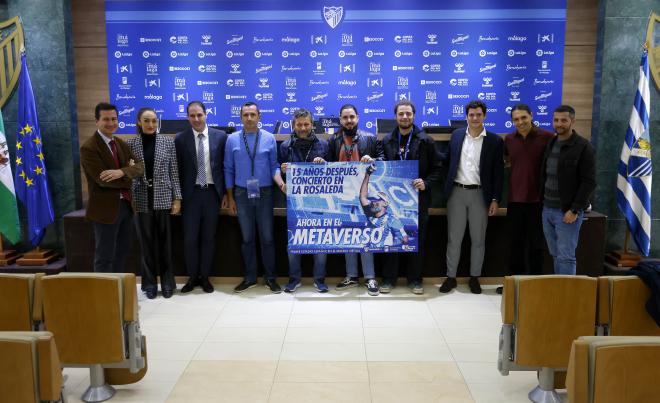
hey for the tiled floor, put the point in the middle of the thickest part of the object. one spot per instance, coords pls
(310, 347)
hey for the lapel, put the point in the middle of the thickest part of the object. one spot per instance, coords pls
(105, 151)
(213, 139)
(158, 151)
(484, 152)
(190, 145)
(459, 147)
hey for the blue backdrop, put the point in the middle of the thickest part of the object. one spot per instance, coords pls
(290, 54)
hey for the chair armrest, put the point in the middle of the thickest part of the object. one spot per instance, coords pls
(577, 376)
(130, 298)
(50, 371)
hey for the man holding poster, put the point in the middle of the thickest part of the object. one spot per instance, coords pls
(352, 144)
(409, 142)
(304, 146)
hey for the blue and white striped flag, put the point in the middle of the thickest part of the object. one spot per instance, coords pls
(635, 169)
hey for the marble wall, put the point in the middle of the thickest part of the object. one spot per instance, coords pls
(621, 33)
(47, 27)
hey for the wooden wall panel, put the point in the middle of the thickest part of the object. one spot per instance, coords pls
(90, 51)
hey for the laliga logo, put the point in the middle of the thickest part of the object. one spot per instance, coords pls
(508, 124)
(333, 15)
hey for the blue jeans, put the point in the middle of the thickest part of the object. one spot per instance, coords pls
(562, 239)
(367, 265)
(319, 266)
(256, 213)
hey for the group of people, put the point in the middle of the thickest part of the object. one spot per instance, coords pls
(152, 176)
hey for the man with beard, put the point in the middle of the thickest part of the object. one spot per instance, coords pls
(409, 142)
(568, 180)
(352, 144)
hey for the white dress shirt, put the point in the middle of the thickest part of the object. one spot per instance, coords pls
(207, 155)
(468, 166)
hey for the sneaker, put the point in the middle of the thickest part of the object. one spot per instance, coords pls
(244, 285)
(416, 287)
(273, 286)
(293, 285)
(372, 287)
(448, 285)
(320, 286)
(475, 287)
(386, 287)
(347, 282)
(499, 290)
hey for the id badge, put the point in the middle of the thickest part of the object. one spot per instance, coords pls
(252, 186)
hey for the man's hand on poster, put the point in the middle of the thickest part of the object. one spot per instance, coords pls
(419, 184)
(284, 166)
(319, 160)
(367, 159)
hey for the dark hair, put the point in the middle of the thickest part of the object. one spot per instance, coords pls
(139, 115)
(301, 114)
(104, 106)
(348, 106)
(404, 102)
(198, 103)
(475, 105)
(521, 107)
(566, 108)
(250, 104)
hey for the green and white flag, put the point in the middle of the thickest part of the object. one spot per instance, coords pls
(9, 224)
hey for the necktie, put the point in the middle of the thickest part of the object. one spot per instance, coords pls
(201, 161)
(125, 194)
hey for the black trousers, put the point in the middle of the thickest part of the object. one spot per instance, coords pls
(526, 236)
(113, 241)
(413, 262)
(155, 236)
(200, 221)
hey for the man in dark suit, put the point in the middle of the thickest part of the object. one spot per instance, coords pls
(109, 168)
(200, 152)
(473, 189)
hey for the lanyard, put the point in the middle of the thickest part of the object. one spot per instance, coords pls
(405, 153)
(252, 155)
(306, 156)
(348, 150)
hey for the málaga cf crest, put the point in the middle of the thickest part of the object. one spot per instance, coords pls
(333, 15)
(639, 163)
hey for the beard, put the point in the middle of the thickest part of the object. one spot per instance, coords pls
(349, 132)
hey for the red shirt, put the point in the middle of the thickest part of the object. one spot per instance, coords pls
(525, 155)
(349, 150)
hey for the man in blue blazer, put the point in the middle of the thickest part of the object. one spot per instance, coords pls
(200, 153)
(473, 189)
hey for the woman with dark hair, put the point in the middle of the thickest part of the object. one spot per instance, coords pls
(156, 196)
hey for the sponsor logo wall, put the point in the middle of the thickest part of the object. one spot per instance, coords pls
(323, 56)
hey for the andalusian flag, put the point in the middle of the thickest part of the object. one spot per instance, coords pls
(9, 224)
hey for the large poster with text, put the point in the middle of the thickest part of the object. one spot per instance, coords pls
(345, 207)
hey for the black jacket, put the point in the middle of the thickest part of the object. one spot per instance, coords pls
(368, 144)
(421, 148)
(576, 171)
(649, 272)
(491, 164)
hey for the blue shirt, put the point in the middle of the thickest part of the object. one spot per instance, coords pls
(238, 166)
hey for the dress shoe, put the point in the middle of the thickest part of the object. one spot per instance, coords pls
(475, 287)
(190, 285)
(167, 293)
(151, 293)
(206, 285)
(448, 285)
(499, 290)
